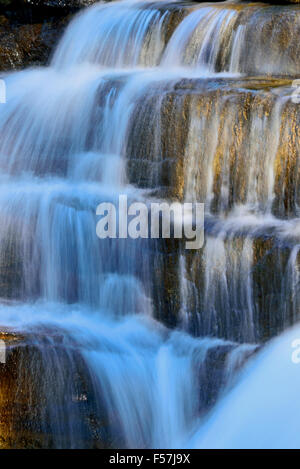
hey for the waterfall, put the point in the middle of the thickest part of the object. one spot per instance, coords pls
(269, 384)
(224, 38)
(148, 100)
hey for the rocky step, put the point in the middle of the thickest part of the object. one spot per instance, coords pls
(29, 44)
(242, 285)
(49, 400)
(221, 142)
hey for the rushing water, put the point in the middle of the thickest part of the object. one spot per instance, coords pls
(263, 408)
(87, 305)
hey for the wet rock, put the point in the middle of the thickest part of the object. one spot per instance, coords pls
(219, 370)
(243, 288)
(23, 45)
(156, 143)
(234, 48)
(10, 268)
(165, 292)
(46, 394)
(46, 391)
(193, 140)
(30, 29)
(220, 140)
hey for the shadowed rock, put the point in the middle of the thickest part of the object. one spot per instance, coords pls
(46, 394)
(48, 398)
(24, 45)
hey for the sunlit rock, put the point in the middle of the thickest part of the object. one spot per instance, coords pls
(192, 142)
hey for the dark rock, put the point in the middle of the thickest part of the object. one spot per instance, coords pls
(30, 29)
(28, 44)
(46, 394)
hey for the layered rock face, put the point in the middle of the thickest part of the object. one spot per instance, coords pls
(233, 145)
(30, 29)
(50, 399)
(42, 377)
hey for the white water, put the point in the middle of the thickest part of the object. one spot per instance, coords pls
(262, 411)
(208, 23)
(62, 151)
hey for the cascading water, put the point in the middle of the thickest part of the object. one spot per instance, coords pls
(270, 387)
(224, 38)
(77, 133)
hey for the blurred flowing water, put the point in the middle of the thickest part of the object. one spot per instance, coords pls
(92, 126)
